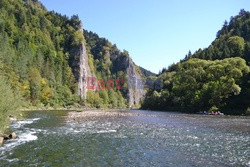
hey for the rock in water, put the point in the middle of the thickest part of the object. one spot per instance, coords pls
(13, 135)
(10, 136)
(1, 141)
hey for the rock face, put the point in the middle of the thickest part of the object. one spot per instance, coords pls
(120, 62)
(84, 72)
(80, 66)
(135, 92)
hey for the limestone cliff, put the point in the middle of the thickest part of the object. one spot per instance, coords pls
(110, 62)
(84, 72)
(81, 69)
(135, 94)
(80, 66)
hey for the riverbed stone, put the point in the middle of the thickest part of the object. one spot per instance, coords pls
(13, 118)
(13, 135)
(1, 141)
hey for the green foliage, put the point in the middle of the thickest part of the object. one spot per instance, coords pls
(35, 85)
(195, 84)
(38, 49)
(105, 99)
(121, 101)
(145, 73)
(213, 109)
(9, 103)
(232, 40)
(199, 84)
(91, 63)
(34, 47)
(237, 45)
(61, 96)
(107, 62)
(104, 95)
(112, 98)
(46, 92)
(93, 99)
(77, 38)
(248, 111)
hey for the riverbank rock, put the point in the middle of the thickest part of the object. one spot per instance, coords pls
(10, 136)
(13, 135)
(1, 141)
(13, 118)
(5, 137)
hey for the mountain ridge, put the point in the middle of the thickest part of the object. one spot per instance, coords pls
(50, 57)
(208, 75)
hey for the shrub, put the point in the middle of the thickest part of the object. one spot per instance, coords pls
(213, 108)
(248, 111)
(9, 103)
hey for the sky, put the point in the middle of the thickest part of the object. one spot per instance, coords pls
(156, 33)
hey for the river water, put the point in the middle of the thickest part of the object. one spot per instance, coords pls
(127, 138)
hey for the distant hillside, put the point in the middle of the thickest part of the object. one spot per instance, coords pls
(218, 80)
(233, 40)
(146, 73)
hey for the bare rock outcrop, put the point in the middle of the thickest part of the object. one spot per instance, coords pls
(80, 66)
(1, 141)
(4, 137)
(136, 93)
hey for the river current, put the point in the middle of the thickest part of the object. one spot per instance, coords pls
(127, 138)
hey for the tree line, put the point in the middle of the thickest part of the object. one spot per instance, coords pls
(214, 78)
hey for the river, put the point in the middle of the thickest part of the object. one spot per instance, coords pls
(127, 138)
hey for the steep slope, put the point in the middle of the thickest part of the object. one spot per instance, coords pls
(46, 58)
(110, 62)
(146, 73)
(35, 47)
(233, 40)
(79, 63)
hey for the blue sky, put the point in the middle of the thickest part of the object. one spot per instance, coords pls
(156, 33)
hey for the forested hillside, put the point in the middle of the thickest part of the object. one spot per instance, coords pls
(104, 61)
(34, 47)
(215, 78)
(43, 61)
(233, 40)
